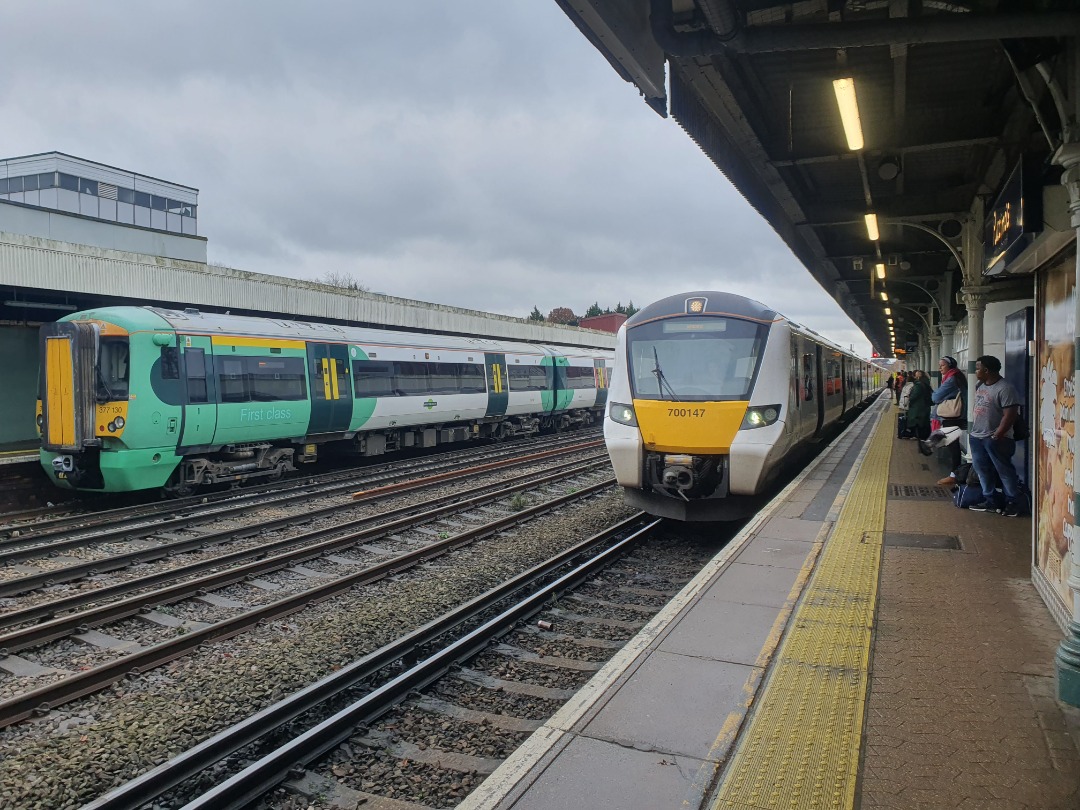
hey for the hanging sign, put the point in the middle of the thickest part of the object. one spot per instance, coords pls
(1014, 220)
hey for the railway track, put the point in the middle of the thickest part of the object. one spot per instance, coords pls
(366, 732)
(109, 550)
(76, 751)
(24, 528)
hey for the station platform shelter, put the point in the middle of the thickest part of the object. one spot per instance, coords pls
(862, 642)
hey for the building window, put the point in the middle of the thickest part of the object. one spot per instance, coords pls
(69, 182)
(157, 203)
(46, 180)
(125, 195)
(142, 199)
(87, 186)
(15, 185)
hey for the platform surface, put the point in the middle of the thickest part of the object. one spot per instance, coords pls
(830, 656)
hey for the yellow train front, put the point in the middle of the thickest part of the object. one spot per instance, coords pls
(711, 396)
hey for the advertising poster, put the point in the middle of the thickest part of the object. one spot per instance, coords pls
(1056, 438)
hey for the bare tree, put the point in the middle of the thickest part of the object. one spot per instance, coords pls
(346, 281)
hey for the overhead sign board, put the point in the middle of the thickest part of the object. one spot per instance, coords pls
(1014, 220)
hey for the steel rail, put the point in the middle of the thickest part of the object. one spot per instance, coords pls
(394, 520)
(273, 768)
(22, 584)
(37, 544)
(295, 482)
(154, 783)
(46, 697)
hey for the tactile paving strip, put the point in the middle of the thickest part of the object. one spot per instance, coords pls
(801, 747)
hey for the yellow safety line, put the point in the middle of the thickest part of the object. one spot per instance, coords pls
(801, 747)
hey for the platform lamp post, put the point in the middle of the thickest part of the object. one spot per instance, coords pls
(1067, 659)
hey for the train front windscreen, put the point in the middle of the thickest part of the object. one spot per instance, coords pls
(695, 359)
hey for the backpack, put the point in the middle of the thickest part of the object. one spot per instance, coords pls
(1020, 426)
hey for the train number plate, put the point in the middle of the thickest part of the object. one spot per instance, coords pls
(689, 413)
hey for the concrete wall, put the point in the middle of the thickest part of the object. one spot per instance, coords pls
(19, 350)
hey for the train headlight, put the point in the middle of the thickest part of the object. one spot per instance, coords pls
(623, 414)
(117, 424)
(760, 416)
(40, 420)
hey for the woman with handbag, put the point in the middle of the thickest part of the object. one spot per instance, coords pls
(950, 406)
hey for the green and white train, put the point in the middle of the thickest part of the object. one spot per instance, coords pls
(138, 398)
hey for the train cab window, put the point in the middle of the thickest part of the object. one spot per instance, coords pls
(695, 358)
(170, 363)
(113, 369)
(195, 366)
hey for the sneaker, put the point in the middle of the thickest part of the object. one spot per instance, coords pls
(983, 506)
(1010, 510)
(924, 448)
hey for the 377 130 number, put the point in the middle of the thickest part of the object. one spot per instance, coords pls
(686, 412)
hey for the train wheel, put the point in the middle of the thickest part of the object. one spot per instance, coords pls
(178, 487)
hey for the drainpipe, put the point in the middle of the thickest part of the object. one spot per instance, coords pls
(1068, 653)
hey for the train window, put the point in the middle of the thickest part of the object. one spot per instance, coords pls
(112, 370)
(195, 366)
(170, 363)
(695, 359)
(530, 378)
(577, 377)
(232, 380)
(808, 377)
(277, 378)
(373, 379)
(471, 380)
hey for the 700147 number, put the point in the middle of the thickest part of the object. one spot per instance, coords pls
(686, 412)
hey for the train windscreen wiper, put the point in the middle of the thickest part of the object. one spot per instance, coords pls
(661, 380)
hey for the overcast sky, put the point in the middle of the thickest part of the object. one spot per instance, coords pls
(479, 153)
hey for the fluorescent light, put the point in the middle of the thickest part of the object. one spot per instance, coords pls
(880, 270)
(884, 297)
(888, 311)
(39, 305)
(889, 320)
(849, 112)
(871, 227)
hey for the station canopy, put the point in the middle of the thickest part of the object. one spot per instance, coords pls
(952, 98)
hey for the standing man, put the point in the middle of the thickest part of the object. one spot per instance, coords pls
(997, 405)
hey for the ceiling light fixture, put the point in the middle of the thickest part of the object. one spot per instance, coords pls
(871, 227)
(880, 270)
(849, 112)
(889, 320)
(888, 310)
(884, 297)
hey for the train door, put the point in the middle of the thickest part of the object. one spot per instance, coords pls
(198, 415)
(331, 391)
(819, 375)
(497, 383)
(602, 375)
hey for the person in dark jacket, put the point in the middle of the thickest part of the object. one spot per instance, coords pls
(953, 382)
(918, 415)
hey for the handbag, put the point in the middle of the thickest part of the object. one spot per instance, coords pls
(951, 408)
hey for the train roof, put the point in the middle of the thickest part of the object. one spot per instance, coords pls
(711, 302)
(194, 321)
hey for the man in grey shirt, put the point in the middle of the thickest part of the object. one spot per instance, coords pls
(990, 437)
